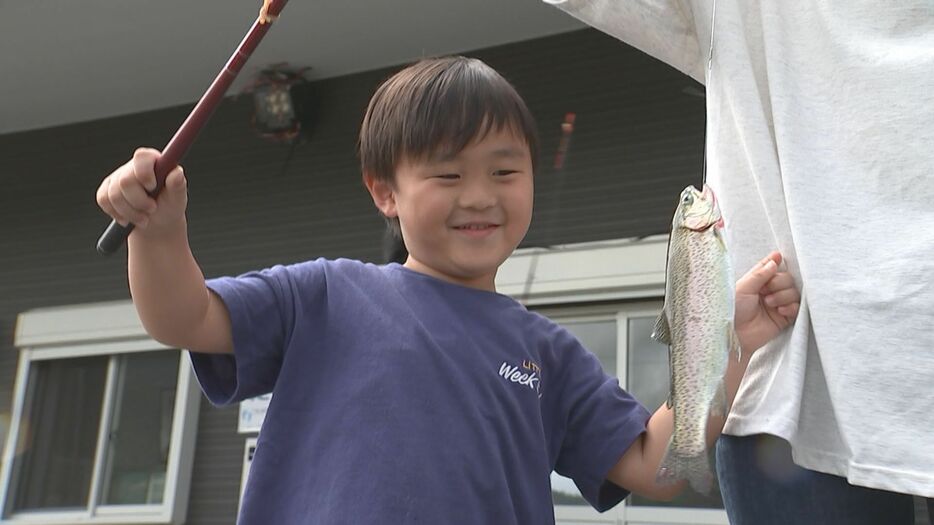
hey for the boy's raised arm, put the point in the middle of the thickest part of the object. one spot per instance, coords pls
(166, 284)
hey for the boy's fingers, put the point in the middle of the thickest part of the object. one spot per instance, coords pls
(789, 311)
(144, 167)
(782, 298)
(103, 200)
(176, 185)
(775, 256)
(124, 193)
(174, 197)
(136, 196)
(755, 279)
(126, 214)
(120, 205)
(781, 281)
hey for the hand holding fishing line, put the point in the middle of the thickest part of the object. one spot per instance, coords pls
(767, 302)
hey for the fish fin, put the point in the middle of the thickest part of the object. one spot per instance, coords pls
(694, 469)
(718, 405)
(662, 332)
(734, 344)
(719, 236)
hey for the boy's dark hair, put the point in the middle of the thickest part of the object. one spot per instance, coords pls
(434, 104)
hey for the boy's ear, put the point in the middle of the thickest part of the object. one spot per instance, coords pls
(383, 196)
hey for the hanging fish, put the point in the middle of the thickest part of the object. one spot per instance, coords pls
(697, 325)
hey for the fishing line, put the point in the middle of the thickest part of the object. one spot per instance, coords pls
(709, 78)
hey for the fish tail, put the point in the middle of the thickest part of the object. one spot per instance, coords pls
(694, 469)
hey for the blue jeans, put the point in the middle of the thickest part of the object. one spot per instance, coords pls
(762, 486)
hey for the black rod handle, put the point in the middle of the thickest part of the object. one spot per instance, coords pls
(113, 238)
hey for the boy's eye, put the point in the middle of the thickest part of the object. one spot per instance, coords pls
(502, 173)
(448, 176)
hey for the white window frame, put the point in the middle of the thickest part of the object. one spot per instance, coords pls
(110, 329)
(589, 282)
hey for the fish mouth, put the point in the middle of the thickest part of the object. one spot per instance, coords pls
(709, 225)
(708, 195)
(702, 225)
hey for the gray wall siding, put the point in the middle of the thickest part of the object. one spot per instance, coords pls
(637, 143)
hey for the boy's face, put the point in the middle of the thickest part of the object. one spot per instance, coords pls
(463, 215)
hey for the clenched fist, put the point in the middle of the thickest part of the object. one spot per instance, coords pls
(125, 195)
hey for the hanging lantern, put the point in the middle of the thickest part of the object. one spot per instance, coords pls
(274, 110)
(274, 114)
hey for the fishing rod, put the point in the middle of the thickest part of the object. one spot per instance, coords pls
(115, 234)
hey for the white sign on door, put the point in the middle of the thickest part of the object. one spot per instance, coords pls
(252, 413)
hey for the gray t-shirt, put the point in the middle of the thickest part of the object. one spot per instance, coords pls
(821, 144)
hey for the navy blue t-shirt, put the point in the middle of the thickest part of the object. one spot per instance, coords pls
(402, 398)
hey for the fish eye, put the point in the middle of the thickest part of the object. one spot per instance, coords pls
(687, 198)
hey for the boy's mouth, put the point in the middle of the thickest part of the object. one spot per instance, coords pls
(477, 229)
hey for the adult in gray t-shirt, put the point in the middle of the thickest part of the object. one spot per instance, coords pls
(821, 145)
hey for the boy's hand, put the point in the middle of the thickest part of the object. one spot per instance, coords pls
(766, 303)
(123, 195)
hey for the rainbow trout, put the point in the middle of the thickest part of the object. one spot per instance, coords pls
(697, 325)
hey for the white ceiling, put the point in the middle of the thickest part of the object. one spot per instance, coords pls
(65, 61)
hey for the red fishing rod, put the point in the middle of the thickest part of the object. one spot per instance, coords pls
(115, 235)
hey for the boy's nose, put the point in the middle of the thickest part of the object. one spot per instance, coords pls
(478, 195)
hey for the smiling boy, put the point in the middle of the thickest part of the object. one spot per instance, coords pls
(412, 393)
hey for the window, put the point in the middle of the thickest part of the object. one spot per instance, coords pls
(101, 430)
(59, 425)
